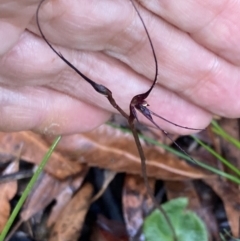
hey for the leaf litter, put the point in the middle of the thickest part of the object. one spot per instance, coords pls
(7, 192)
(110, 148)
(114, 150)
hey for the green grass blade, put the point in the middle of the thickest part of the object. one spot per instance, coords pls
(219, 131)
(28, 189)
(219, 157)
(182, 155)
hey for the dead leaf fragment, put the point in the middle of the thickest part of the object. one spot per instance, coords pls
(7, 192)
(109, 230)
(65, 196)
(69, 225)
(231, 199)
(177, 189)
(33, 150)
(44, 192)
(136, 203)
(229, 151)
(108, 177)
(112, 149)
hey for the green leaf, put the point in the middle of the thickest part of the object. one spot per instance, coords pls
(28, 189)
(188, 226)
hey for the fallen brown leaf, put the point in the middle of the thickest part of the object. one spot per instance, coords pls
(33, 150)
(7, 192)
(177, 189)
(45, 191)
(136, 203)
(108, 177)
(230, 152)
(63, 197)
(109, 230)
(112, 149)
(69, 224)
(231, 200)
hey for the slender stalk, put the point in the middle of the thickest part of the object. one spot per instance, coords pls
(28, 189)
(219, 157)
(183, 156)
(137, 100)
(149, 190)
(219, 131)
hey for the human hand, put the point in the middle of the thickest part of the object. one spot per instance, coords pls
(198, 72)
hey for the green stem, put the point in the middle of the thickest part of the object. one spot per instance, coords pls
(28, 189)
(219, 157)
(219, 131)
(181, 155)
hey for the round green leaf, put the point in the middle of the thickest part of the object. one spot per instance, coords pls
(188, 226)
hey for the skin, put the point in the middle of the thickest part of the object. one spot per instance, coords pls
(196, 43)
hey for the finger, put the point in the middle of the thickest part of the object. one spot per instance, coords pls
(14, 17)
(48, 70)
(185, 67)
(213, 24)
(46, 111)
(83, 23)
